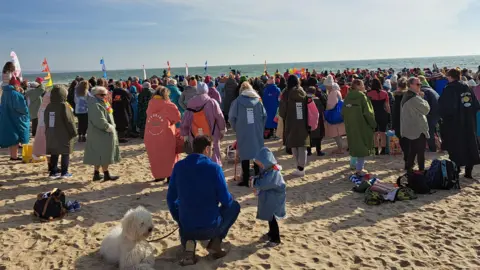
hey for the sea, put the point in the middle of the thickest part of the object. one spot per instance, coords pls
(470, 62)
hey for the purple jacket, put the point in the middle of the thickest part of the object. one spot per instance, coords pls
(212, 112)
(213, 93)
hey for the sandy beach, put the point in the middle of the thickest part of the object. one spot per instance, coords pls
(328, 226)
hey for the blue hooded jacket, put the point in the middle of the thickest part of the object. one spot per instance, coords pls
(271, 103)
(197, 186)
(134, 104)
(174, 97)
(14, 118)
(271, 188)
(247, 117)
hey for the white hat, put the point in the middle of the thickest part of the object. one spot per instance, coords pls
(336, 87)
(146, 85)
(202, 88)
(387, 84)
(329, 81)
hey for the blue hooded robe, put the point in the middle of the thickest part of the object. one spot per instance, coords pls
(174, 97)
(271, 188)
(134, 104)
(271, 103)
(14, 118)
(247, 117)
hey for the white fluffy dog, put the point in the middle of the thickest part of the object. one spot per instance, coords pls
(125, 244)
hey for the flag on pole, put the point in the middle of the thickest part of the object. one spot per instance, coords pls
(104, 68)
(144, 73)
(265, 68)
(168, 65)
(186, 69)
(46, 68)
(16, 62)
(206, 66)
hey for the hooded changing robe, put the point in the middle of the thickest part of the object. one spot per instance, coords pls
(122, 110)
(271, 188)
(40, 143)
(247, 117)
(458, 109)
(14, 118)
(271, 102)
(160, 140)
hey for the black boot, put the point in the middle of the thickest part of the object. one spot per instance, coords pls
(384, 151)
(376, 151)
(309, 151)
(108, 177)
(97, 176)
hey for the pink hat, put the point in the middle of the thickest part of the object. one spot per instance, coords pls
(39, 80)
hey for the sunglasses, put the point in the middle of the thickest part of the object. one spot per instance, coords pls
(102, 95)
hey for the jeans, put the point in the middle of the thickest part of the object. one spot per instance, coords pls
(64, 164)
(229, 216)
(432, 131)
(416, 149)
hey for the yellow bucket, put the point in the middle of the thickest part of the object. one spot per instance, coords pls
(27, 150)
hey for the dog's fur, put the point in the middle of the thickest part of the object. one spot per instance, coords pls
(125, 245)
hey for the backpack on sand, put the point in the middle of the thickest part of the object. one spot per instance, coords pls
(443, 174)
(200, 124)
(417, 181)
(50, 205)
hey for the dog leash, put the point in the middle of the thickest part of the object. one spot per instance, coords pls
(163, 237)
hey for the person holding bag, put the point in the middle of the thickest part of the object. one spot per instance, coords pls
(334, 129)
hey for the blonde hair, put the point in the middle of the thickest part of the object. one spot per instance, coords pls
(82, 88)
(356, 84)
(245, 86)
(163, 92)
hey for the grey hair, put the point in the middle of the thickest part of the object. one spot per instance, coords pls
(99, 90)
(412, 80)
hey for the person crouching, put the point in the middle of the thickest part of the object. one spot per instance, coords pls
(60, 131)
(271, 190)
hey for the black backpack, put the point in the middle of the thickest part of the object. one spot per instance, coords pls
(417, 181)
(443, 174)
(50, 205)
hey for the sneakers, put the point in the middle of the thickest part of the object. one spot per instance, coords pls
(73, 206)
(189, 257)
(321, 154)
(299, 173)
(54, 175)
(66, 175)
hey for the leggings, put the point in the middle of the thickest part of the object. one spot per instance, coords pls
(416, 149)
(82, 124)
(274, 231)
(65, 161)
(338, 141)
(300, 155)
(34, 126)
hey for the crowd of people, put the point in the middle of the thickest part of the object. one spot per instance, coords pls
(192, 114)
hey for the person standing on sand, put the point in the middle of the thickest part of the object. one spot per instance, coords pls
(270, 100)
(160, 139)
(122, 111)
(34, 100)
(396, 112)
(335, 131)
(174, 96)
(230, 91)
(293, 110)
(316, 136)
(432, 98)
(381, 106)
(359, 117)
(187, 94)
(14, 117)
(199, 201)
(102, 148)
(143, 100)
(81, 109)
(212, 91)
(414, 125)
(247, 117)
(60, 132)
(458, 108)
(137, 84)
(40, 142)
(214, 116)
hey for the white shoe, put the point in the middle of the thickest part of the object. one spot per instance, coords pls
(299, 173)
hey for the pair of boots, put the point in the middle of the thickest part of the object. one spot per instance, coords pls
(105, 177)
(82, 138)
(214, 247)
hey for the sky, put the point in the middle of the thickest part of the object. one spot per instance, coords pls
(75, 35)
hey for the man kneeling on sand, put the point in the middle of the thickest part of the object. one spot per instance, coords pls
(197, 187)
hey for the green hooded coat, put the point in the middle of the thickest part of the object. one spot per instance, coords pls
(360, 123)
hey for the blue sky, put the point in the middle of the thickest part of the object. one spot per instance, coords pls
(75, 34)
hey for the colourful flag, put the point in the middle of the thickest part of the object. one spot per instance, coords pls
(104, 68)
(16, 62)
(186, 69)
(46, 68)
(168, 65)
(144, 73)
(206, 66)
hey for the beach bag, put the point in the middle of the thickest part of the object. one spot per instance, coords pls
(373, 197)
(312, 114)
(334, 116)
(50, 205)
(417, 181)
(200, 124)
(405, 194)
(443, 174)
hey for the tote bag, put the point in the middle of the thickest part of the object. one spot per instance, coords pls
(334, 116)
